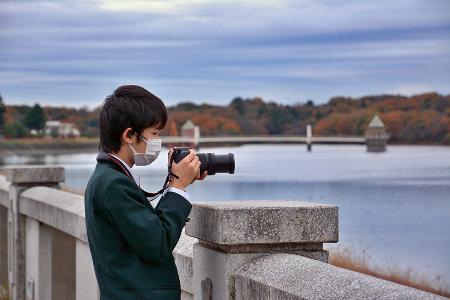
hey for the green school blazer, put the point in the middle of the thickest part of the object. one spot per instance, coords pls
(131, 242)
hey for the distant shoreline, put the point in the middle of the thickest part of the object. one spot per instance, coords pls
(48, 146)
(90, 145)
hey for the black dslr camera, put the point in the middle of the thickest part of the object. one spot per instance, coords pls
(210, 162)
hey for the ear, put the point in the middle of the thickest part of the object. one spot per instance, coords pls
(127, 135)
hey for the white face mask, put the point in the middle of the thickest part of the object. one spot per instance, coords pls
(151, 152)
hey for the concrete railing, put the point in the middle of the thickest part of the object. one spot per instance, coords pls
(4, 207)
(231, 250)
(288, 276)
(47, 254)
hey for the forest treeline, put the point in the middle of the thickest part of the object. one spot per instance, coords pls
(419, 119)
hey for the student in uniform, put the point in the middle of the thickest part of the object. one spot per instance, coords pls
(131, 241)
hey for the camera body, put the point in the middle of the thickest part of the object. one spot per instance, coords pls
(210, 162)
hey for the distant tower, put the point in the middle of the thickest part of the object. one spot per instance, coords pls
(190, 130)
(376, 135)
(309, 137)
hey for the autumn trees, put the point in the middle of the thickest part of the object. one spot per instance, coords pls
(419, 119)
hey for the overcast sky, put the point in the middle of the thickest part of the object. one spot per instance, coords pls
(74, 53)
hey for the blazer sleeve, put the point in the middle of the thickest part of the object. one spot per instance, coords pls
(153, 234)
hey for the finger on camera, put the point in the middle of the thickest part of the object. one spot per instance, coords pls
(186, 160)
(194, 162)
(197, 170)
(190, 157)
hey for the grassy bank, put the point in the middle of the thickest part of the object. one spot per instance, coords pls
(48, 145)
(347, 259)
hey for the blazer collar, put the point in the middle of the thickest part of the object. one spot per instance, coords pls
(116, 164)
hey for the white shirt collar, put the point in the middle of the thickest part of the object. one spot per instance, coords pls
(136, 179)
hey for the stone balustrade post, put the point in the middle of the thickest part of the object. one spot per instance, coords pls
(233, 233)
(21, 178)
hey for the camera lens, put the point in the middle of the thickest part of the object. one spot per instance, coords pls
(210, 162)
(216, 163)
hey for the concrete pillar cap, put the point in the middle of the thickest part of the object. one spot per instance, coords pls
(25, 175)
(263, 222)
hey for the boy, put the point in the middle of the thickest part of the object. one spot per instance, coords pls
(131, 242)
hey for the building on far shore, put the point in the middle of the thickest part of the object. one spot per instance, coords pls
(61, 129)
(376, 135)
(189, 129)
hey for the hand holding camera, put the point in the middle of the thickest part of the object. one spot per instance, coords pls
(187, 169)
(189, 166)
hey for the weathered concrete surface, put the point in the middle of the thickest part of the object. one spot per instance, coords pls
(311, 250)
(219, 268)
(182, 254)
(186, 296)
(36, 175)
(58, 209)
(3, 247)
(4, 184)
(20, 178)
(234, 233)
(63, 265)
(4, 191)
(86, 281)
(4, 205)
(38, 252)
(287, 276)
(263, 222)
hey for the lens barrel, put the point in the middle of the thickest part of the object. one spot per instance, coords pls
(216, 163)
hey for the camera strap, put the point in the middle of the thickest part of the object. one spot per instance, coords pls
(166, 182)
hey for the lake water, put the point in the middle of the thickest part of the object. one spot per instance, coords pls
(394, 207)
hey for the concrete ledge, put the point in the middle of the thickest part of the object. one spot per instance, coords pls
(183, 253)
(4, 191)
(263, 222)
(287, 276)
(23, 175)
(61, 210)
(4, 184)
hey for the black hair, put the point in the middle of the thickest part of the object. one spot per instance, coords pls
(129, 106)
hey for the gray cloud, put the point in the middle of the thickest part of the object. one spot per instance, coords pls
(76, 52)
